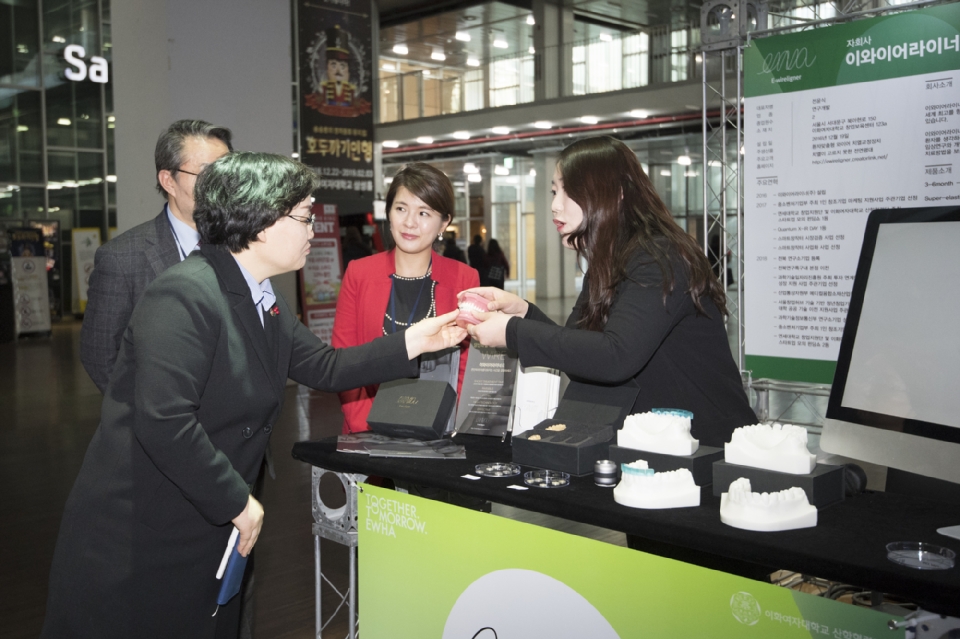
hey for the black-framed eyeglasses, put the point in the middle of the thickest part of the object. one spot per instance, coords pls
(187, 172)
(306, 220)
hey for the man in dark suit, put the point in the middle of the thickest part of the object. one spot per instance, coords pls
(124, 266)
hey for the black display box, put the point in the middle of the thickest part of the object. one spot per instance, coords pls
(700, 463)
(416, 408)
(572, 450)
(824, 486)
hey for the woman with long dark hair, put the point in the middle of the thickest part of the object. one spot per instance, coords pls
(650, 315)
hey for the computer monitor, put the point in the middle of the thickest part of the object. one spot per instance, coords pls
(895, 399)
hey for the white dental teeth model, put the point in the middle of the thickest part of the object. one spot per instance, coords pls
(779, 447)
(661, 431)
(641, 487)
(766, 512)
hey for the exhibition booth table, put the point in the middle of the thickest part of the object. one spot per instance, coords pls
(847, 545)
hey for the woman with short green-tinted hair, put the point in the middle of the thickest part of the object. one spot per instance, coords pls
(197, 388)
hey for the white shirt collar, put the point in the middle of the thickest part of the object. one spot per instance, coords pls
(188, 239)
(261, 293)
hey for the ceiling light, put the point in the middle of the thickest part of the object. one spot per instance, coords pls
(59, 39)
(640, 113)
(606, 37)
(530, 20)
(426, 73)
(531, 50)
(474, 177)
(22, 128)
(63, 122)
(501, 130)
(689, 174)
(684, 160)
(400, 49)
(390, 144)
(461, 135)
(513, 179)
(438, 55)
(473, 62)
(501, 44)
(111, 178)
(462, 36)
(589, 119)
(665, 172)
(501, 170)
(470, 167)
(425, 139)
(295, 155)
(388, 67)
(533, 173)
(543, 124)
(111, 118)
(500, 40)
(387, 180)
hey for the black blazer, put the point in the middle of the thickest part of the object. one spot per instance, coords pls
(123, 268)
(192, 399)
(679, 359)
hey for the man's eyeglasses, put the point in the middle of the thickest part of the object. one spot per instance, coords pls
(306, 220)
(187, 172)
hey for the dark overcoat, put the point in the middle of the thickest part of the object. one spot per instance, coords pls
(190, 406)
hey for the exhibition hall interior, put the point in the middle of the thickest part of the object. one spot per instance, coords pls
(716, 377)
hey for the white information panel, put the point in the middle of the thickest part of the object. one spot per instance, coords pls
(838, 122)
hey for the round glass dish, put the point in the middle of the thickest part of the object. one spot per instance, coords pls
(498, 469)
(921, 556)
(546, 479)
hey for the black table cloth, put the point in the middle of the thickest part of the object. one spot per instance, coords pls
(847, 545)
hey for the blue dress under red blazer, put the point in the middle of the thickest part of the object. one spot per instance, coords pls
(364, 295)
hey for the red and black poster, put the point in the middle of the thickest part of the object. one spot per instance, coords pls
(320, 275)
(336, 100)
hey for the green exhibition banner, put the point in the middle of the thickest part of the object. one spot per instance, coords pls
(838, 121)
(429, 569)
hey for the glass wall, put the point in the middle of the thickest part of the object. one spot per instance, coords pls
(56, 124)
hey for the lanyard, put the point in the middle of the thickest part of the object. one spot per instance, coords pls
(416, 304)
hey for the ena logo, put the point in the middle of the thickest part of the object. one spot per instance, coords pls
(74, 55)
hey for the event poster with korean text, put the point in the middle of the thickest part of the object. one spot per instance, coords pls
(838, 121)
(336, 99)
(321, 273)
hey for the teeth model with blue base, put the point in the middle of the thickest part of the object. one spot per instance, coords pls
(662, 430)
(641, 487)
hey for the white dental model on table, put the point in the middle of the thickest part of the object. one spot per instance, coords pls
(779, 447)
(766, 512)
(662, 430)
(641, 487)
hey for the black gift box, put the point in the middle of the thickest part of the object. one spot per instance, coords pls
(416, 408)
(572, 450)
(824, 486)
(700, 463)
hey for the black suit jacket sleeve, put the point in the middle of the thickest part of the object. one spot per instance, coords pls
(320, 366)
(109, 307)
(176, 332)
(638, 323)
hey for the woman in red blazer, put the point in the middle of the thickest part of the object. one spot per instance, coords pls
(387, 292)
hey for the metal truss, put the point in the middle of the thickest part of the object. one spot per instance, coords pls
(339, 525)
